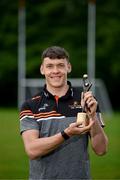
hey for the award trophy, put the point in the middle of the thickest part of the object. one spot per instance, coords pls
(82, 116)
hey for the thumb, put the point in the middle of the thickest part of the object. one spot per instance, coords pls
(82, 100)
(82, 95)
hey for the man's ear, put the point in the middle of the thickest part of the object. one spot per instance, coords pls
(41, 69)
(69, 68)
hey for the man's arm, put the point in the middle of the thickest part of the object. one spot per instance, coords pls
(36, 146)
(99, 140)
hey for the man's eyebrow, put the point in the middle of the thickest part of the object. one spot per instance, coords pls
(55, 63)
(49, 64)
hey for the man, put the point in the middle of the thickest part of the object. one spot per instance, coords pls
(53, 140)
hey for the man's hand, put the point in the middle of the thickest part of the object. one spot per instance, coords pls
(89, 103)
(75, 129)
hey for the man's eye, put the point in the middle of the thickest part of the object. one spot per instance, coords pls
(61, 65)
(49, 66)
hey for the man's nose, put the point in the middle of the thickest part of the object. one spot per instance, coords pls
(55, 69)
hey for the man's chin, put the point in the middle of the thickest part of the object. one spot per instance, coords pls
(56, 85)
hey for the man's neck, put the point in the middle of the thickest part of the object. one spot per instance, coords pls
(58, 91)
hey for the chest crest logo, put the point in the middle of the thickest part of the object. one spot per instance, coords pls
(43, 107)
(75, 105)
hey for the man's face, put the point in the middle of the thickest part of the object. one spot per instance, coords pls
(55, 71)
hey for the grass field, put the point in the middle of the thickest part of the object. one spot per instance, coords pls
(14, 162)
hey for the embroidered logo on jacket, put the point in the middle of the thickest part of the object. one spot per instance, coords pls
(44, 107)
(75, 105)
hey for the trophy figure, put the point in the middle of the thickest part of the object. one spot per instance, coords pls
(82, 117)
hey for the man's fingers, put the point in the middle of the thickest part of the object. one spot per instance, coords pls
(75, 128)
(87, 128)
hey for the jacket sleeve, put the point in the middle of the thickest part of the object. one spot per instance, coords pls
(27, 119)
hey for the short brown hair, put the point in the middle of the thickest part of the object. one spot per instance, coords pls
(55, 52)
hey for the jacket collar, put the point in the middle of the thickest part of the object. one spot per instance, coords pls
(68, 94)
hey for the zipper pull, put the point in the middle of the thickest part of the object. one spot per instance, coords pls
(56, 99)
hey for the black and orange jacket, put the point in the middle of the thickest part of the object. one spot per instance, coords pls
(45, 106)
(50, 115)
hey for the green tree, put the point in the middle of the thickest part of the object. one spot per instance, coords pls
(61, 23)
(8, 51)
(57, 22)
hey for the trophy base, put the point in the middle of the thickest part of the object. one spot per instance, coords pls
(82, 119)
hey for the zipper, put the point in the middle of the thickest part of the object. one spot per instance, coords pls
(56, 100)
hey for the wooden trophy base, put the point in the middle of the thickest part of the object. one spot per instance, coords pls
(82, 119)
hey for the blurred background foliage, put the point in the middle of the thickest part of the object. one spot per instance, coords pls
(62, 23)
